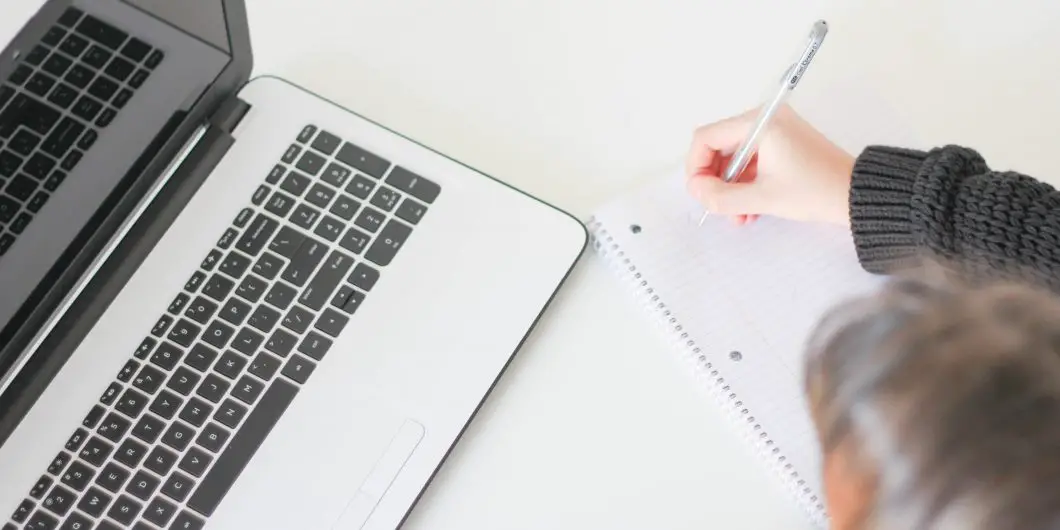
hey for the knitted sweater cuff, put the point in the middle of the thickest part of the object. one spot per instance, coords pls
(881, 192)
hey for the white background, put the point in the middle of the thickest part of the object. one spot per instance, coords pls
(574, 100)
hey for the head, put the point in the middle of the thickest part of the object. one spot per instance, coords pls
(937, 405)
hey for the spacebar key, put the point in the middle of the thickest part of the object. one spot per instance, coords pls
(242, 447)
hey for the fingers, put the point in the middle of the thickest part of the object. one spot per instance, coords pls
(721, 137)
(734, 198)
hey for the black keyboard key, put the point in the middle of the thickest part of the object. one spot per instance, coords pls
(200, 357)
(362, 160)
(96, 57)
(114, 427)
(280, 204)
(58, 464)
(21, 187)
(166, 356)
(24, 142)
(213, 437)
(413, 184)
(281, 295)
(304, 262)
(124, 510)
(264, 318)
(211, 259)
(336, 175)
(298, 319)
(320, 290)
(76, 439)
(196, 412)
(201, 310)
(64, 95)
(247, 389)
(154, 59)
(87, 140)
(122, 98)
(348, 299)
(76, 521)
(92, 419)
(310, 163)
(306, 134)
(149, 379)
(247, 341)
(329, 228)
(40, 84)
(213, 388)
(257, 235)
(230, 413)
(184, 332)
(20, 223)
(286, 242)
(385, 198)
(160, 460)
(132, 403)
(183, 381)
(43, 484)
(298, 369)
(281, 342)
(227, 238)
(9, 163)
(264, 366)
(275, 174)
(96, 451)
(305, 216)
(8, 208)
(37, 202)
(148, 429)
(119, 69)
(291, 154)
(36, 55)
(242, 218)
(42, 521)
(244, 444)
(94, 502)
(235, 265)
(360, 187)
(160, 511)
(106, 117)
(344, 207)
(331, 322)
(195, 462)
(315, 345)
(135, 49)
(112, 478)
(148, 344)
(54, 36)
(87, 108)
(162, 325)
(295, 183)
(101, 32)
(388, 243)
(137, 79)
(20, 75)
(102, 88)
(410, 211)
(59, 500)
(143, 485)
(131, 453)
(326, 143)
(22, 511)
(6, 241)
(354, 240)
(78, 476)
(235, 312)
(320, 195)
(110, 394)
(79, 76)
(252, 288)
(177, 487)
(57, 65)
(259, 195)
(370, 219)
(268, 266)
(218, 287)
(230, 365)
(166, 404)
(129, 368)
(364, 277)
(197, 278)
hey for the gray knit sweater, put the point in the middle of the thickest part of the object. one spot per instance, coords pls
(947, 203)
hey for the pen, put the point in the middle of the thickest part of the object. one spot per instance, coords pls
(791, 78)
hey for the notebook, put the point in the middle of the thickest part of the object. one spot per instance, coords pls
(738, 303)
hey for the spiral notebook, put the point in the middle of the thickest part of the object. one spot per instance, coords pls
(737, 303)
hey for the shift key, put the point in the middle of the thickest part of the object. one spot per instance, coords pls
(304, 261)
(257, 234)
(324, 283)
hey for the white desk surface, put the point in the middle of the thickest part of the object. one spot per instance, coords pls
(573, 100)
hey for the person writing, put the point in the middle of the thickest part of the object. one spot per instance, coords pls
(937, 399)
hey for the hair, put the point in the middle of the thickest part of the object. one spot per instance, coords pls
(946, 393)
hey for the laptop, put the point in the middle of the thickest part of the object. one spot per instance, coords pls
(230, 303)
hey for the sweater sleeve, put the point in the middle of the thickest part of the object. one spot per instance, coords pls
(947, 203)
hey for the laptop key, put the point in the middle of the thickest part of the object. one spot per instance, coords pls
(320, 290)
(252, 288)
(247, 341)
(230, 365)
(385, 199)
(95, 501)
(59, 501)
(20, 223)
(390, 240)
(120, 69)
(298, 319)
(213, 437)
(114, 427)
(87, 108)
(213, 388)
(93, 417)
(183, 381)
(326, 143)
(110, 394)
(315, 345)
(235, 265)
(58, 464)
(40, 84)
(281, 296)
(201, 310)
(244, 444)
(42, 521)
(76, 521)
(135, 49)
(200, 357)
(76, 439)
(295, 183)
(166, 404)
(331, 322)
(298, 369)
(264, 366)
(137, 79)
(78, 476)
(37, 202)
(22, 511)
(264, 318)
(63, 96)
(257, 235)
(148, 429)
(154, 59)
(336, 175)
(9, 163)
(161, 460)
(131, 453)
(21, 187)
(24, 142)
(360, 187)
(132, 403)
(413, 184)
(142, 485)
(43, 484)
(195, 462)
(8, 208)
(410, 211)
(106, 117)
(362, 160)
(160, 511)
(195, 413)
(306, 133)
(6, 241)
(268, 266)
(96, 451)
(124, 510)
(370, 219)
(101, 32)
(149, 379)
(304, 261)
(57, 64)
(280, 204)
(354, 240)
(310, 163)
(235, 312)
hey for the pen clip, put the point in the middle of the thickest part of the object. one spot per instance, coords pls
(814, 41)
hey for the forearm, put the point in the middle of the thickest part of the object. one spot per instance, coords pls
(947, 203)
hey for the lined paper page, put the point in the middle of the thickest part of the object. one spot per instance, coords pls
(757, 290)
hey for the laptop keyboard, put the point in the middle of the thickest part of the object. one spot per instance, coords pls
(187, 411)
(62, 93)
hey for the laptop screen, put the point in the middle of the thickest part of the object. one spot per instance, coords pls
(87, 91)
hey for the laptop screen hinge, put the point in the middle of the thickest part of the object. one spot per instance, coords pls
(229, 114)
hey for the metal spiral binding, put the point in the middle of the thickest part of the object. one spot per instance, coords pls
(605, 246)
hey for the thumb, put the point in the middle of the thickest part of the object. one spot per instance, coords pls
(718, 138)
(733, 198)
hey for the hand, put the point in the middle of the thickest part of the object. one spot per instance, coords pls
(796, 174)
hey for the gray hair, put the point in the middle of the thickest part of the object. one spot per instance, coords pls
(949, 391)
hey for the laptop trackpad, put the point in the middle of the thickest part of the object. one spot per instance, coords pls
(381, 476)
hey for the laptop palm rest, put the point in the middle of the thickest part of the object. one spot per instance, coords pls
(384, 472)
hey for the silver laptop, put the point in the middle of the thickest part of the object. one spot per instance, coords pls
(229, 303)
